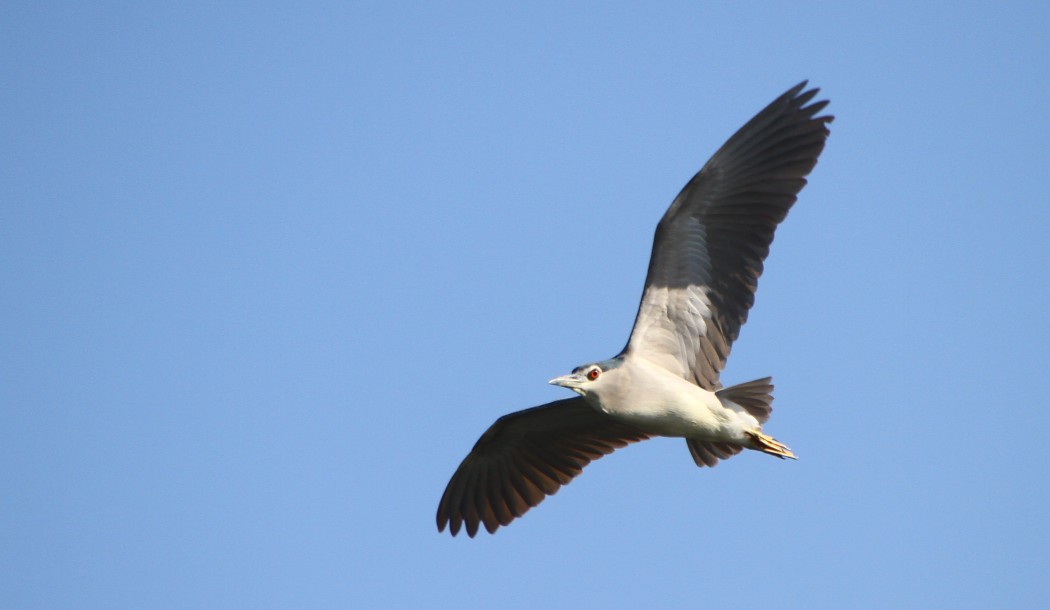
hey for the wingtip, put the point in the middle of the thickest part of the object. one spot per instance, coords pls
(799, 96)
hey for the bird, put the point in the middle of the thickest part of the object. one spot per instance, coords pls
(708, 253)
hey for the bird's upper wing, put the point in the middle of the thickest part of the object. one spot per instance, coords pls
(525, 457)
(710, 244)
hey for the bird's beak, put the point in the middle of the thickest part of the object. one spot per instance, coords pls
(572, 381)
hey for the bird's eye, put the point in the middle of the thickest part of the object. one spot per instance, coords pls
(593, 374)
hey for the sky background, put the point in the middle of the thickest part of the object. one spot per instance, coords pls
(268, 270)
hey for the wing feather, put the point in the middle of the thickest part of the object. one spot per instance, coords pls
(710, 245)
(525, 457)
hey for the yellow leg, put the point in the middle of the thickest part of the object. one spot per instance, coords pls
(770, 445)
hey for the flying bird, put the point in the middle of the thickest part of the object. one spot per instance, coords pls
(707, 256)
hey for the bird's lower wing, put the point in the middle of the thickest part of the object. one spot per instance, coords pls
(523, 458)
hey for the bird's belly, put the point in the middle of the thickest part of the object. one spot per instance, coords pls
(702, 416)
(669, 423)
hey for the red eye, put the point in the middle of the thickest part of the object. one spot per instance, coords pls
(593, 374)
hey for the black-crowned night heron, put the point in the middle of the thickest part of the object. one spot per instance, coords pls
(707, 256)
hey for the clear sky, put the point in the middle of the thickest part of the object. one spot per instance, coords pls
(267, 271)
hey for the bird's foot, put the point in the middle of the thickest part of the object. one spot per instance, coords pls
(770, 445)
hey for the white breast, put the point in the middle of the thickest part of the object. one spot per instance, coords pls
(654, 399)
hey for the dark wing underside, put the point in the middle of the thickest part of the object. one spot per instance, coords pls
(525, 457)
(710, 245)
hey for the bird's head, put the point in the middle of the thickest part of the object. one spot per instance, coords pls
(588, 378)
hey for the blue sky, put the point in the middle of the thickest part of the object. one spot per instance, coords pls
(267, 272)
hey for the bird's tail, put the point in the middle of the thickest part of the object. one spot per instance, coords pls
(755, 397)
